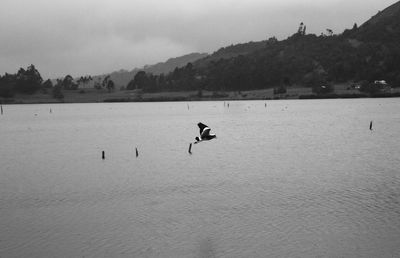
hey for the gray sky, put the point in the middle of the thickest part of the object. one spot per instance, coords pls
(90, 37)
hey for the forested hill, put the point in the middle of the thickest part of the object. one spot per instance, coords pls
(383, 27)
(231, 52)
(172, 63)
(362, 54)
(122, 77)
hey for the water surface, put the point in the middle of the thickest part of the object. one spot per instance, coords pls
(293, 179)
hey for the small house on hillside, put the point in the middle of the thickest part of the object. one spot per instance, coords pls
(383, 85)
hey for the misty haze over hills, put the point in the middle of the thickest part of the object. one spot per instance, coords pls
(122, 77)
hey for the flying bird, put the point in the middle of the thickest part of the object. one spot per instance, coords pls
(205, 134)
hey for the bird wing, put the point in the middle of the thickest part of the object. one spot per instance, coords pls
(202, 127)
(205, 133)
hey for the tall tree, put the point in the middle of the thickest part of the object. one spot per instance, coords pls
(57, 90)
(7, 85)
(110, 85)
(84, 80)
(68, 83)
(138, 82)
(47, 84)
(28, 81)
(105, 81)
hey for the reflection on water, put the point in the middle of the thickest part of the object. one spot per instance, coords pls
(290, 179)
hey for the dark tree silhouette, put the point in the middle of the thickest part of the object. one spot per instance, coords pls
(57, 90)
(28, 81)
(68, 83)
(110, 85)
(47, 84)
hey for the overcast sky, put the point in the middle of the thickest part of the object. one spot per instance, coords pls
(91, 37)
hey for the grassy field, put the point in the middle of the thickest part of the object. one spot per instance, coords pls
(93, 95)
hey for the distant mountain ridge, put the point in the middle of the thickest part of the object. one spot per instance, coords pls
(384, 26)
(232, 51)
(172, 63)
(122, 77)
(388, 13)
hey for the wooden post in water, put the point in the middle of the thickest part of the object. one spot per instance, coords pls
(1, 109)
(137, 153)
(103, 156)
(190, 148)
(370, 126)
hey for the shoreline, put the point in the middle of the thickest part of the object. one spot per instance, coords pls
(101, 96)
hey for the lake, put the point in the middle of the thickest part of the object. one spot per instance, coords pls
(283, 178)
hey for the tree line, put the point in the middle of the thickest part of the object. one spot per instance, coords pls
(25, 81)
(29, 81)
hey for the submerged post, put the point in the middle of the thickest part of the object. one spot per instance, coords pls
(137, 153)
(103, 156)
(1, 109)
(370, 126)
(190, 148)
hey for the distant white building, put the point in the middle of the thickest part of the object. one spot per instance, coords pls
(383, 85)
(380, 82)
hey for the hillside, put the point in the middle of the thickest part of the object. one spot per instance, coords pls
(382, 27)
(389, 13)
(231, 51)
(172, 63)
(122, 77)
(362, 54)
